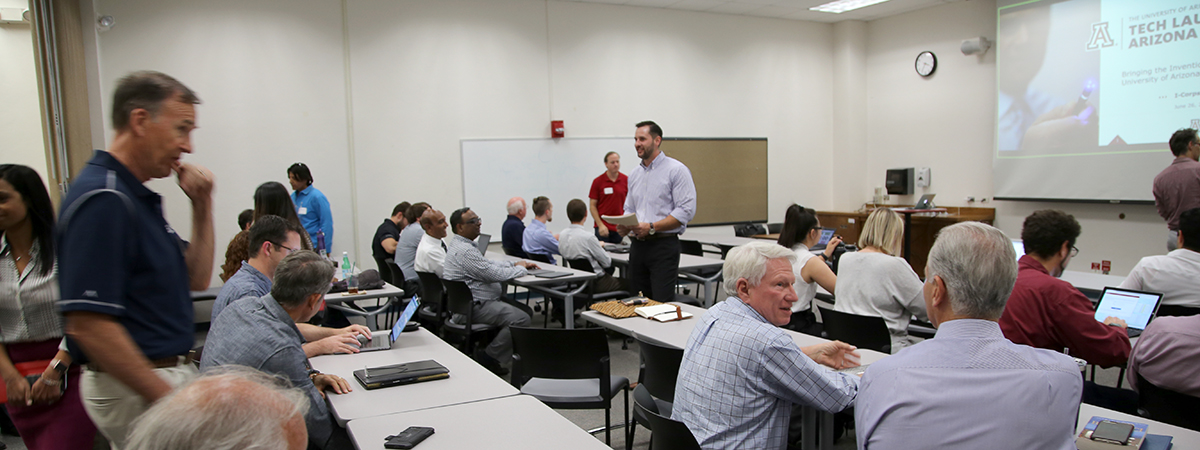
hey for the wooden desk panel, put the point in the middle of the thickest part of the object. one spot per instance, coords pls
(924, 227)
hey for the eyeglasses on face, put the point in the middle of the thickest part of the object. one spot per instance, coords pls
(289, 249)
(473, 221)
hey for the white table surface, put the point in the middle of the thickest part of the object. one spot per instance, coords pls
(676, 333)
(519, 422)
(552, 287)
(689, 268)
(1182, 438)
(386, 291)
(468, 380)
(1091, 281)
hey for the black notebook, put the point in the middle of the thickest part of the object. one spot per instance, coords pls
(406, 373)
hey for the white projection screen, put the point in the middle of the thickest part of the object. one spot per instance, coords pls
(1088, 94)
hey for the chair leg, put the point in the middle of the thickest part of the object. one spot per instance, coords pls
(628, 424)
(608, 424)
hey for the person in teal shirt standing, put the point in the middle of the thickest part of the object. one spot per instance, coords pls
(311, 206)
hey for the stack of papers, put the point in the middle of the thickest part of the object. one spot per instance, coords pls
(662, 313)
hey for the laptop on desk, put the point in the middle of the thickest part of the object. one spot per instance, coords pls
(544, 273)
(482, 242)
(926, 202)
(826, 235)
(381, 341)
(616, 248)
(1136, 308)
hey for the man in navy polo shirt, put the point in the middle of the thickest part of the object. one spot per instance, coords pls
(124, 274)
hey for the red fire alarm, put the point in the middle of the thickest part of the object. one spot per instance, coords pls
(556, 129)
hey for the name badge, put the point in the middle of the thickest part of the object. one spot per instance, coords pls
(302, 211)
(608, 190)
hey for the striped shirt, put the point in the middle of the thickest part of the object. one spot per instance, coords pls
(465, 263)
(664, 188)
(28, 312)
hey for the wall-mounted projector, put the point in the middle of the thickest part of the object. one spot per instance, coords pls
(978, 45)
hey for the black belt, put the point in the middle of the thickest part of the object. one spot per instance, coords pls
(659, 236)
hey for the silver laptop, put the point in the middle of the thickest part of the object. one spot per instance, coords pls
(482, 242)
(926, 202)
(381, 341)
(1136, 308)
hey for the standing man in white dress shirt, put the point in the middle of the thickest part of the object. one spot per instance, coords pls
(663, 196)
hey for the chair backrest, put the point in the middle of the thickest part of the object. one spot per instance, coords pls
(773, 228)
(689, 247)
(385, 269)
(539, 258)
(667, 433)
(580, 264)
(458, 297)
(660, 368)
(514, 252)
(1168, 406)
(431, 289)
(560, 353)
(859, 331)
(1177, 310)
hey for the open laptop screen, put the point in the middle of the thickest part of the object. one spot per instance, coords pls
(405, 316)
(826, 235)
(1136, 308)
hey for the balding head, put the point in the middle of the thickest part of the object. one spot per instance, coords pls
(229, 407)
(516, 207)
(434, 223)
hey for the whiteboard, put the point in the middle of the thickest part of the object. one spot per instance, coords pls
(495, 170)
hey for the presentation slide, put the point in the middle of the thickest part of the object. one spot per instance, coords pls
(1089, 92)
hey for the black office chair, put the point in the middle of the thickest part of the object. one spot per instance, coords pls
(514, 252)
(460, 301)
(667, 433)
(433, 301)
(540, 258)
(860, 331)
(921, 329)
(773, 228)
(689, 247)
(591, 296)
(655, 391)
(1168, 406)
(567, 369)
(1176, 310)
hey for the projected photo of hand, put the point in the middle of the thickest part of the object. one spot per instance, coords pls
(1063, 127)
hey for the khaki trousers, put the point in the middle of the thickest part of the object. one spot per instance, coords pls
(113, 406)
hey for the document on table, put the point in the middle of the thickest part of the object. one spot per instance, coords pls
(629, 220)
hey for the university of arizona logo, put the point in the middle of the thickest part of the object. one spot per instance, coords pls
(1100, 37)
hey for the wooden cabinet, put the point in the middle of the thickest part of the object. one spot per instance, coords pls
(924, 227)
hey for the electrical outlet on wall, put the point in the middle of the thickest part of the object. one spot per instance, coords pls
(923, 177)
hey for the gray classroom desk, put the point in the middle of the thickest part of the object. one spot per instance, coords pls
(1181, 438)
(517, 423)
(553, 287)
(1091, 284)
(468, 380)
(676, 334)
(337, 301)
(690, 266)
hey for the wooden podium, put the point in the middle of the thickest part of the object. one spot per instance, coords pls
(921, 233)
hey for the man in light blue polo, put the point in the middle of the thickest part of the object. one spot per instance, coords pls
(312, 207)
(662, 194)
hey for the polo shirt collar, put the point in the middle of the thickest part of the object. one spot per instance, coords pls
(304, 191)
(1027, 262)
(576, 225)
(272, 306)
(258, 275)
(108, 161)
(1183, 253)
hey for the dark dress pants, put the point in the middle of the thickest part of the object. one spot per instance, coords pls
(654, 267)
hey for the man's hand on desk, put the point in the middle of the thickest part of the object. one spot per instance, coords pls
(1115, 321)
(326, 381)
(835, 354)
(339, 343)
(526, 264)
(355, 330)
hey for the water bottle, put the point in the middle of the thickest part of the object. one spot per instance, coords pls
(321, 243)
(348, 274)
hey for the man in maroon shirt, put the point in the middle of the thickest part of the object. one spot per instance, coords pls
(1046, 312)
(1177, 188)
(608, 197)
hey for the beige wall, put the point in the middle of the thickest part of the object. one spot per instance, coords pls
(21, 140)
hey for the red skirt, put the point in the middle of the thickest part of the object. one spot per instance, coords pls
(60, 425)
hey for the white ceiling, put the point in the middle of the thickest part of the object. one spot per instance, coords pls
(783, 9)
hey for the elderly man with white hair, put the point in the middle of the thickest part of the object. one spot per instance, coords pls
(741, 374)
(969, 387)
(232, 408)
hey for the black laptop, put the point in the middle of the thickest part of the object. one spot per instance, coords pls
(398, 374)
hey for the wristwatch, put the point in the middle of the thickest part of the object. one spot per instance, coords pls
(59, 366)
(651, 229)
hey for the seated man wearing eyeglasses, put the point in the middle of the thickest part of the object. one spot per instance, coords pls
(1046, 312)
(271, 239)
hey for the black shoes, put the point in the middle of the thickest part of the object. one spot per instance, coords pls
(489, 363)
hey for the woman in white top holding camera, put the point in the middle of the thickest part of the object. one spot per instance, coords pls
(801, 231)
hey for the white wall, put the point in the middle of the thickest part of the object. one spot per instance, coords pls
(21, 140)
(946, 122)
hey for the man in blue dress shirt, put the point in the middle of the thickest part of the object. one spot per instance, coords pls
(311, 206)
(969, 387)
(741, 374)
(538, 242)
(662, 194)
